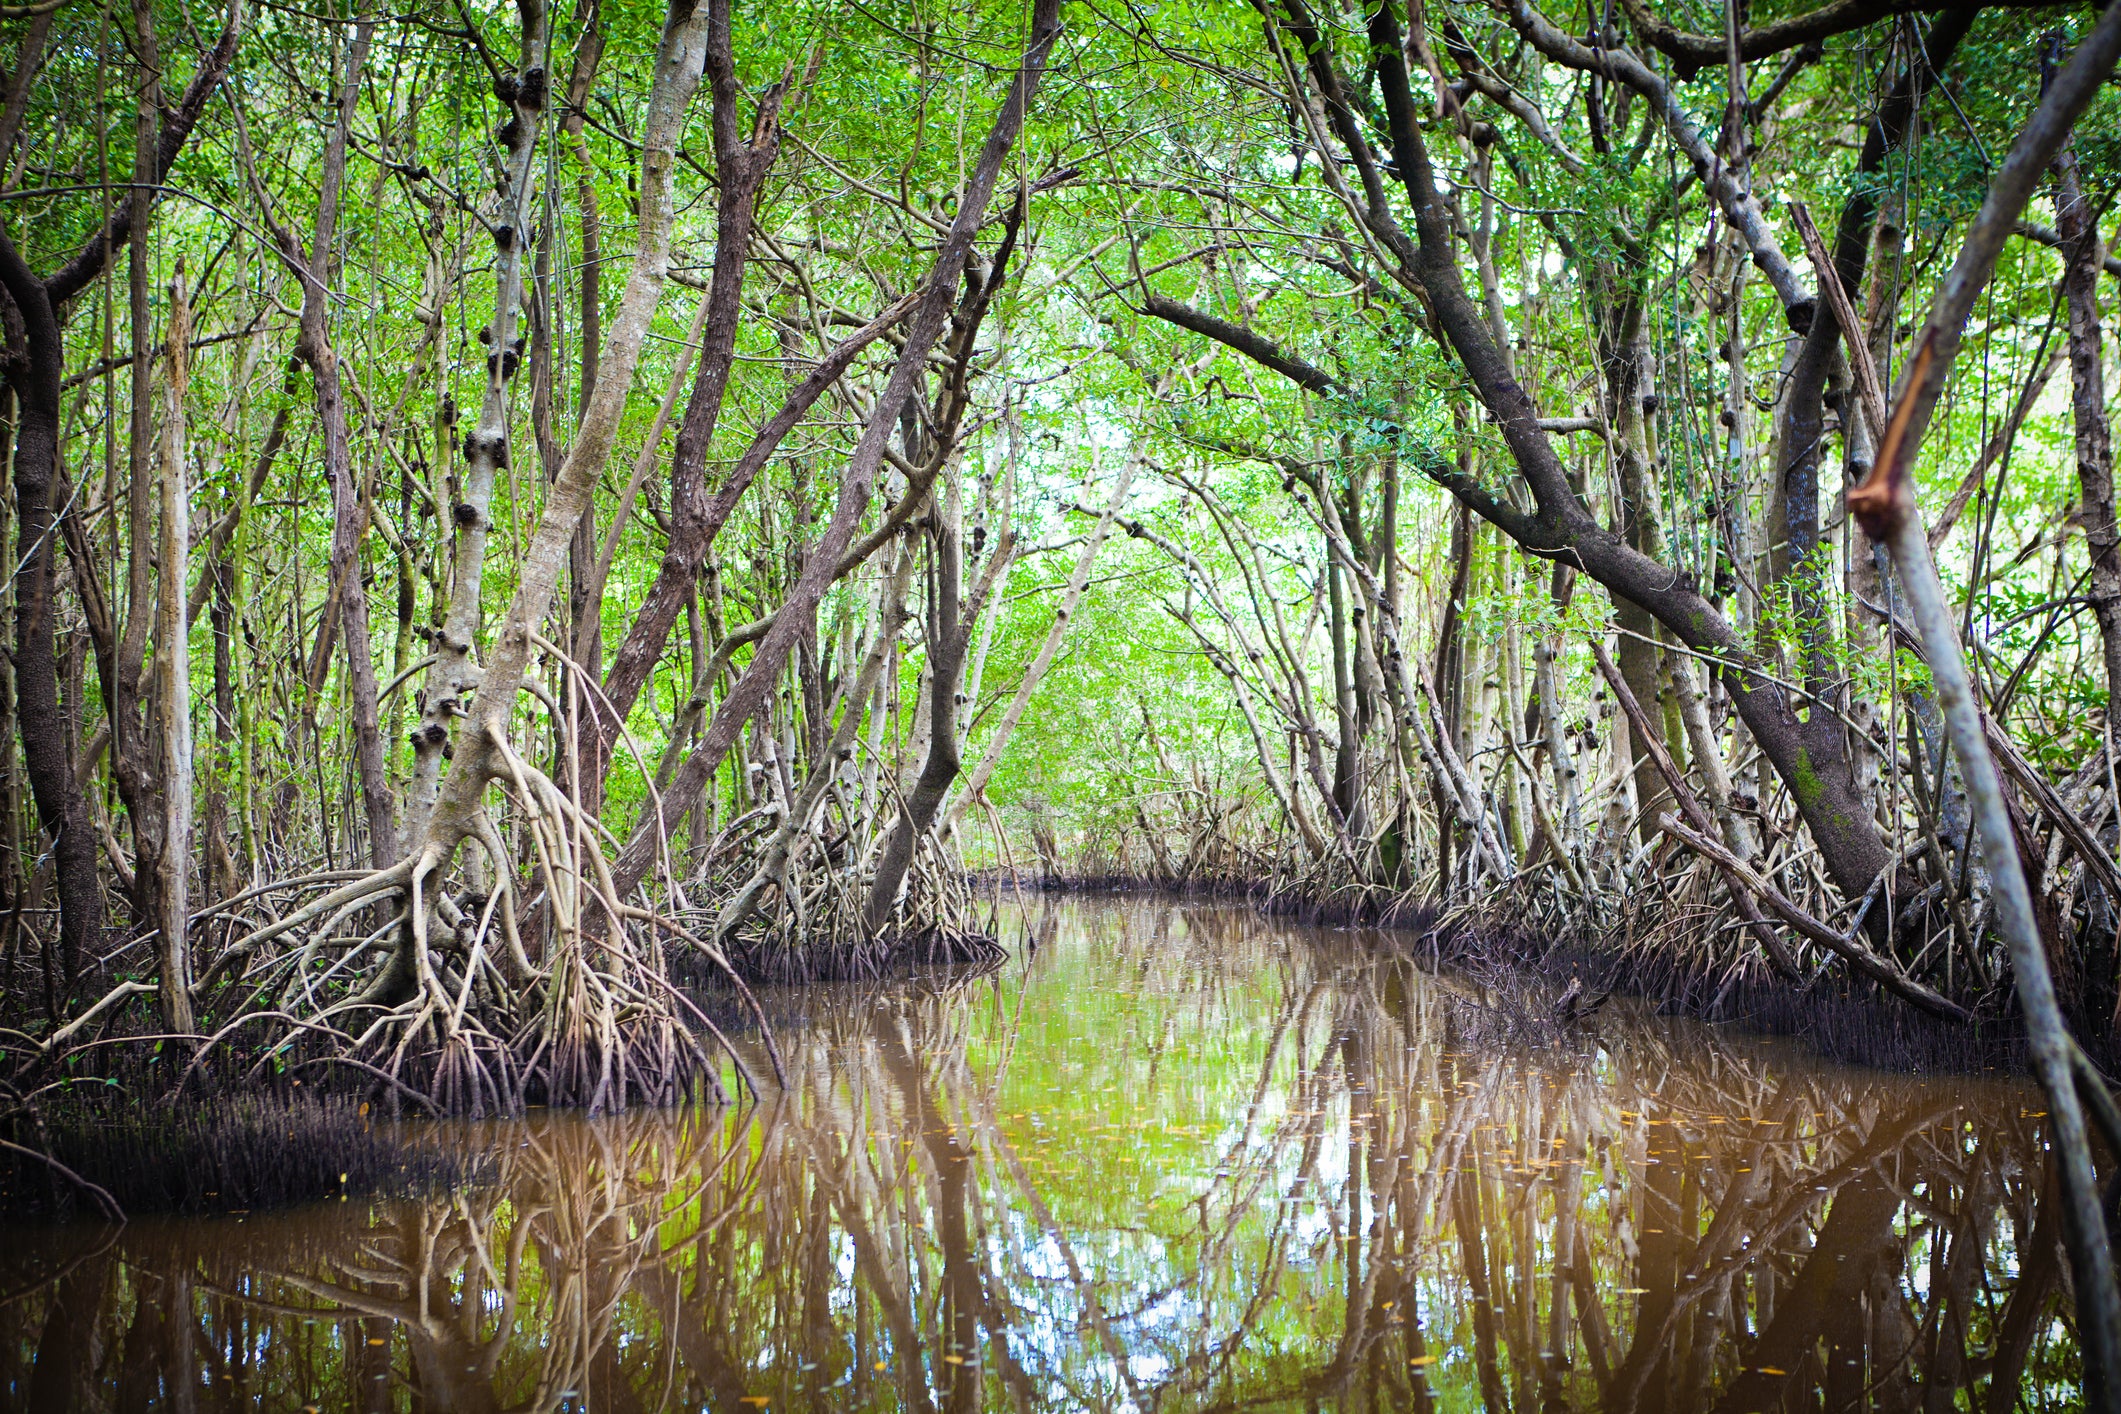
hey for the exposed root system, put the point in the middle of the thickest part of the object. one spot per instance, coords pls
(767, 959)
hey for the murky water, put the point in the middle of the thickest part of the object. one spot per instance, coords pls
(1180, 1159)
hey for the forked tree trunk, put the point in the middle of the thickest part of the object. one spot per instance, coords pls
(477, 758)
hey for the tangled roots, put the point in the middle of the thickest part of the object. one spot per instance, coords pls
(762, 957)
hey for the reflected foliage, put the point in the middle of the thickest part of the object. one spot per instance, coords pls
(1179, 1159)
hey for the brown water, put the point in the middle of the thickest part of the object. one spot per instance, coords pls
(1180, 1159)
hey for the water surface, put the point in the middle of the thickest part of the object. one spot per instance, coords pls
(1175, 1158)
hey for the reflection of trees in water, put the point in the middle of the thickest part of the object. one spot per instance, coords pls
(508, 1297)
(1387, 1213)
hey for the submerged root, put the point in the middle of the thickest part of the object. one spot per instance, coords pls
(453, 983)
(604, 1046)
(129, 1155)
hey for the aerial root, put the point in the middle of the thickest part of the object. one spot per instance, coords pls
(442, 1007)
(458, 982)
(788, 904)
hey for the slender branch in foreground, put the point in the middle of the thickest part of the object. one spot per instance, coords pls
(1885, 504)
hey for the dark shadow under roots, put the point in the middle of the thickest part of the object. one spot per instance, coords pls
(765, 958)
(225, 1155)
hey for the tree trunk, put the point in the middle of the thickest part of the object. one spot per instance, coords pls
(1625, 355)
(131, 743)
(172, 696)
(49, 764)
(741, 165)
(1345, 783)
(221, 875)
(584, 630)
(36, 375)
(455, 677)
(948, 638)
(2081, 254)
(1714, 771)
(1848, 839)
(349, 504)
(457, 810)
(1546, 682)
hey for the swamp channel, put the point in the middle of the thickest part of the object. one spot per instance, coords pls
(1171, 1156)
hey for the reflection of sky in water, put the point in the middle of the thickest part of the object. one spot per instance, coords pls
(1178, 1160)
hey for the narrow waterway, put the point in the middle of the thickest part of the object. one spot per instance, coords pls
(1175, 1158)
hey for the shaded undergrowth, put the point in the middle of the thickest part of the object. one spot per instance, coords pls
(223, 1155)
(775, 959)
